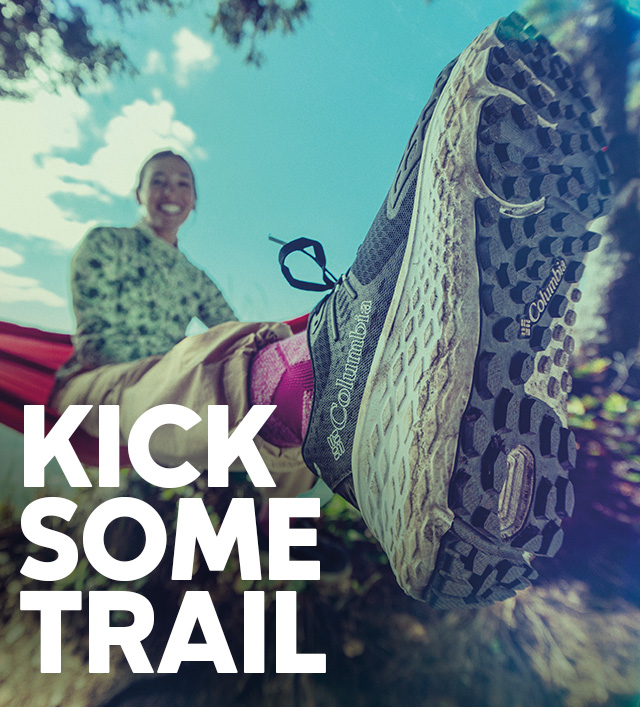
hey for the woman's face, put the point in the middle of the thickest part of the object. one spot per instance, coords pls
(168, 195)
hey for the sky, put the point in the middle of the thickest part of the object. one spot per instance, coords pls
(306, 145)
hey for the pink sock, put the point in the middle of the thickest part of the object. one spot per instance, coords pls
(281, 375)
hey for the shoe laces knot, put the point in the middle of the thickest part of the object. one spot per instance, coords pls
(329, 280)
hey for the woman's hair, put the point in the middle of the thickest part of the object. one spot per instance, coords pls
(160, 155)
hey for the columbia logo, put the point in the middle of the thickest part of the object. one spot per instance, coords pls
(339, 411)
(535, 309)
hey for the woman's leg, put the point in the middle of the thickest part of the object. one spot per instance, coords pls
(209, 369)
(281, 375)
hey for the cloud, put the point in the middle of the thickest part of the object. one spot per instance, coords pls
(30, 130)
(140, 129)
(34, 133)
(155, 63)
(9, 258)
(16, 288)
(192, 53)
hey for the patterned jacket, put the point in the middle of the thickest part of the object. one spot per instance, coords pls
(133, 296)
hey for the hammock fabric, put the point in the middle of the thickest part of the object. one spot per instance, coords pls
(29, 359)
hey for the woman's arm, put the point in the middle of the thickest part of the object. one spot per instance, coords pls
(214, 308)
(100, 337)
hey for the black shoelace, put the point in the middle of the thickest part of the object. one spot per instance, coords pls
(318, 257)
(330, 282)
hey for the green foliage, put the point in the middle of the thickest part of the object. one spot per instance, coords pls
(557, 18)
(546, 15)
(343, 522)
(610, 418)
(248, 20)
(56, 44)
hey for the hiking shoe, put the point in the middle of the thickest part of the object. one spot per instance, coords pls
(440, 357)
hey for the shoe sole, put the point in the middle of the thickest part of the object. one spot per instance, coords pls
(463, 419)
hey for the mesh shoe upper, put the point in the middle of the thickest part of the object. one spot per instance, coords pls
(345, 327)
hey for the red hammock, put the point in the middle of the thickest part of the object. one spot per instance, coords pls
(29, 359)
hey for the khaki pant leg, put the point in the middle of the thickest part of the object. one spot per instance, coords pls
(211, 368)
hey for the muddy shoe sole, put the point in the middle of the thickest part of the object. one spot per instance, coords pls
(461, 453)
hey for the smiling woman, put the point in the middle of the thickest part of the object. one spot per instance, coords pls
(167, 190)
(134, 294)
